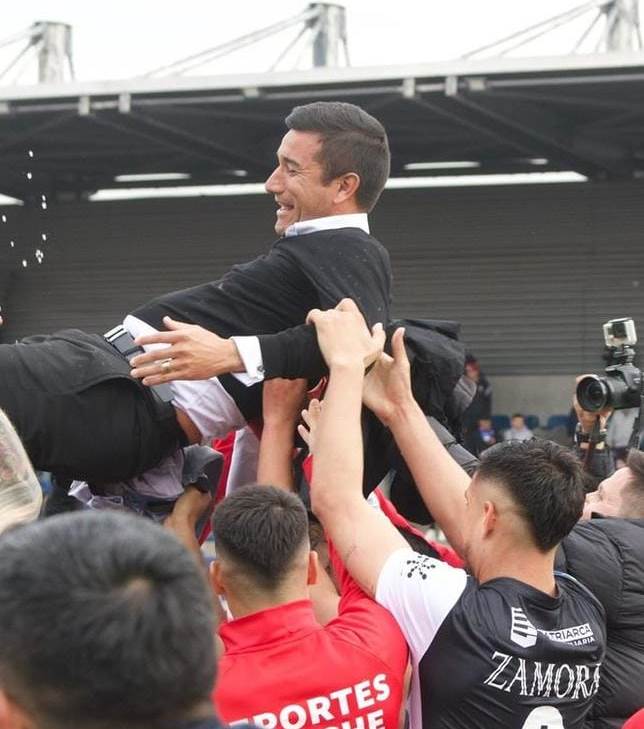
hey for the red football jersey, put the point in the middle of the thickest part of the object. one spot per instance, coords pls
(282, 670)
(636, 721)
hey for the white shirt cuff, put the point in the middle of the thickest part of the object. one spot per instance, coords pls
(251, 355)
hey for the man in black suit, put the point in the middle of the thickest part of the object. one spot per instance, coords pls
(83, 415)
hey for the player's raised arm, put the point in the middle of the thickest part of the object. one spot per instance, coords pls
(363, 536)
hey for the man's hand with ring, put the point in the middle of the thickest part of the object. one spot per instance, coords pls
(193, 353)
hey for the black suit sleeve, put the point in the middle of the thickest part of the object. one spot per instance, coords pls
(341, 265)
(292, 353)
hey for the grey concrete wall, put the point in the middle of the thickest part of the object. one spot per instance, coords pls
(541, 395)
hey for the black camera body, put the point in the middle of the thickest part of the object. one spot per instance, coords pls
(621, 387)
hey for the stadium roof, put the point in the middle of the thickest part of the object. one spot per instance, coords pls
(580, 113)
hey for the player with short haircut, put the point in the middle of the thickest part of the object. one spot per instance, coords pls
(281, 669)
(510, 644)
(105, 621)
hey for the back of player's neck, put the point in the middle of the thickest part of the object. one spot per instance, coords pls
(530, 567)
(248, 604)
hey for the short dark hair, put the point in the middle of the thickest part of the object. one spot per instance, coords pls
(545, 481)
(635, 489)
(105, 620)
(261, 528)
(352, 141)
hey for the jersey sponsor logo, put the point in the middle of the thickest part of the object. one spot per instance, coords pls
(420, 565)
(523, 677)
(354, 707)
(577, 635)
(524, 633)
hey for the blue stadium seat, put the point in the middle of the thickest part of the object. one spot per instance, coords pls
(500, 423)
(558, 421)
(532, 421)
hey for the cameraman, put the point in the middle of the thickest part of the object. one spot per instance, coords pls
(604, 552)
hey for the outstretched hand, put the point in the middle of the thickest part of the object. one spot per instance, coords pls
(344, 337)
(387, 386)
(192, 353)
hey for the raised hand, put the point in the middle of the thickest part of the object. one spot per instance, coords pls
(387, 386)
(344, 337)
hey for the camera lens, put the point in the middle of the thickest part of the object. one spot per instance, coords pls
(592, 393)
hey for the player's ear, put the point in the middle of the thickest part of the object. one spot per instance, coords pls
(490, 517)
(347, 187)
(215, 576)
(313, 569)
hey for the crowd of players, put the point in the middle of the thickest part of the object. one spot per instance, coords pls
(322, 608)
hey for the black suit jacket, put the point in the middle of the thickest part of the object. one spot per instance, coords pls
(272, 295)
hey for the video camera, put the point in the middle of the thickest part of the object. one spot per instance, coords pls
(622, 387)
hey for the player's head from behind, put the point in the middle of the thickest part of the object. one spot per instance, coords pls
(333, 160)
(264, 556)
(525, 497)
(105, 621)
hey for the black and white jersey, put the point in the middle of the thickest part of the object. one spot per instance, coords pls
(501, 654)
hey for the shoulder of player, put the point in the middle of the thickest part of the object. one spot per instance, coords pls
(580, 597)
(502, 600)
(368, 628)
(361, 613)
(436, 581)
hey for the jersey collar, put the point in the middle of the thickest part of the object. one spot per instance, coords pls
(274, 625)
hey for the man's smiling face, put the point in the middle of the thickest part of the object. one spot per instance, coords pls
(297, 181)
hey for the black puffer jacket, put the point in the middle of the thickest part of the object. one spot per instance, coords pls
(607, 555)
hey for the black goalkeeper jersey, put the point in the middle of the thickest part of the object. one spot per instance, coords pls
(501, 654)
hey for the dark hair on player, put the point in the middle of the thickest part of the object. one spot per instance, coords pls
(261, 528)
(545, 481)
(105, 621)
(352, 141)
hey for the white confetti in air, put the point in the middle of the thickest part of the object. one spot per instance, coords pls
(43, 236)
(24, 263)
(4, 218)
(12, 243)
(43, 198)
(29, 175)
(43, 205)
(31, 153)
